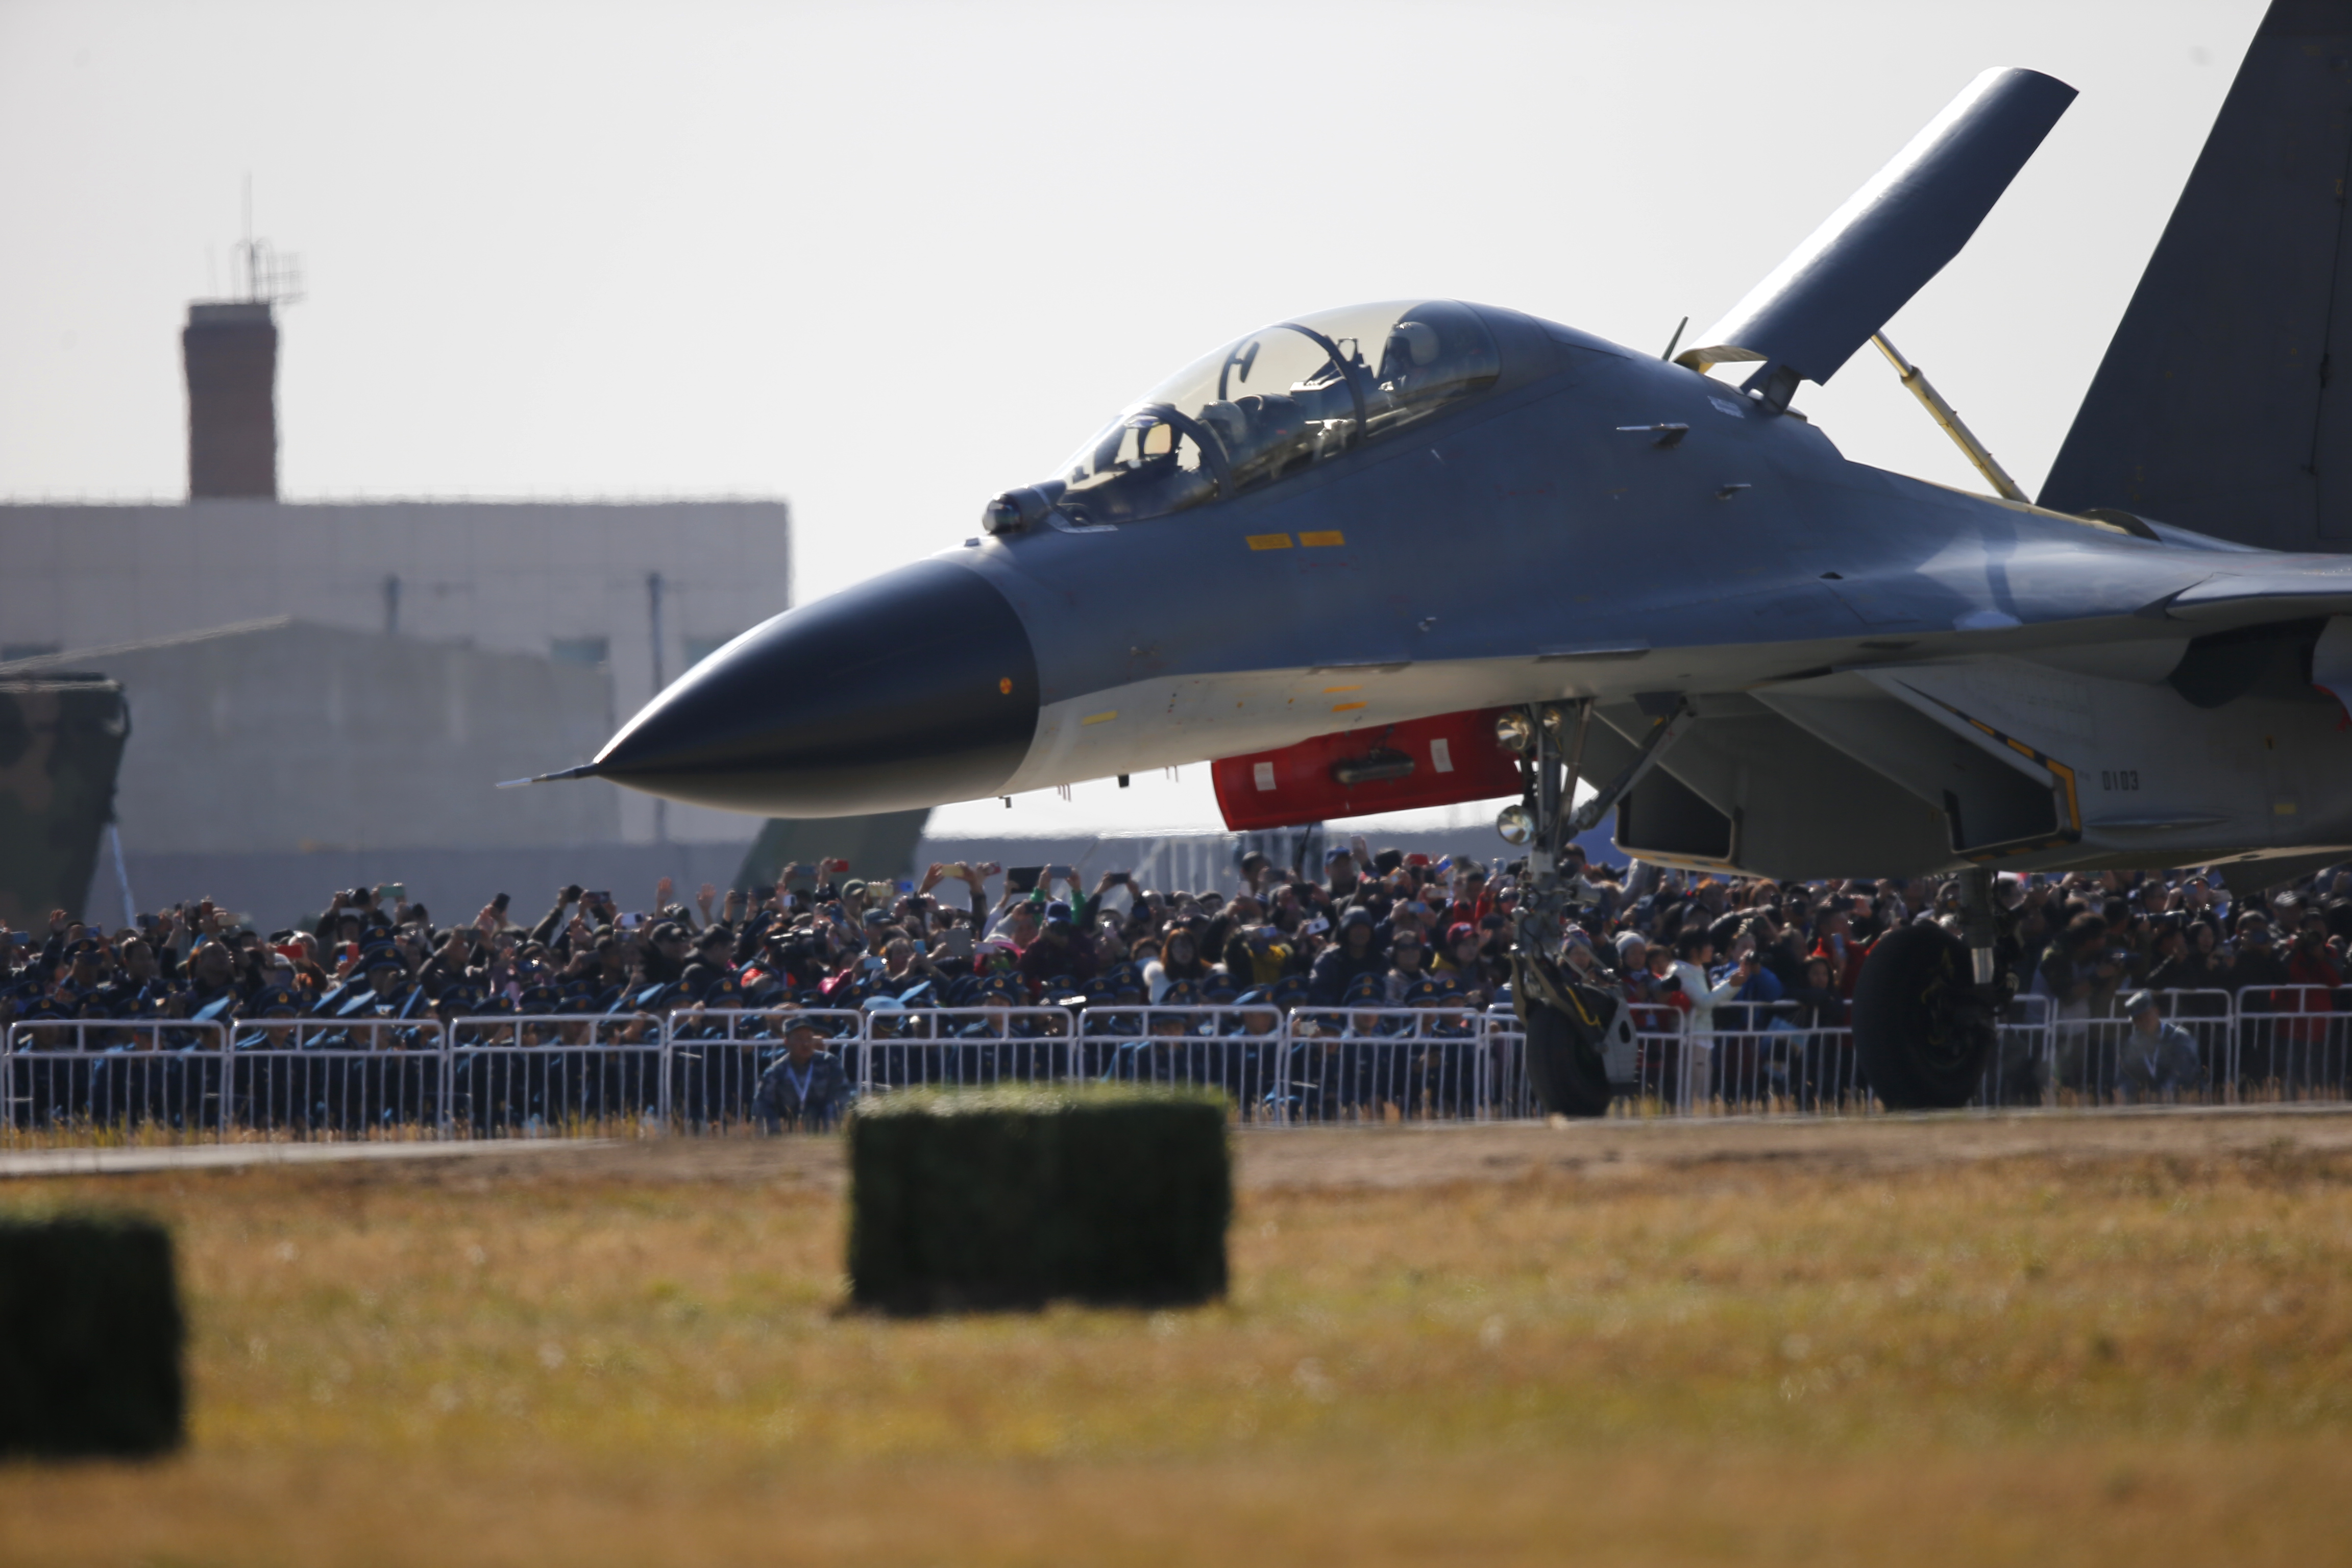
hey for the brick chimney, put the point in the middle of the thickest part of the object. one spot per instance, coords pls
(230, 351)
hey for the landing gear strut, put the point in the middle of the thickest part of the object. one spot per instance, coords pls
(1927, 1008)
(1569, 1022)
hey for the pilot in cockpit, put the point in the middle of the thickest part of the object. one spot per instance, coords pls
(1280, 400)
(1411, 364)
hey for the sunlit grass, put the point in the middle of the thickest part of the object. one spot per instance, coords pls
(1723, 1361)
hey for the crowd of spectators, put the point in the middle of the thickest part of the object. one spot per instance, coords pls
(1363, 929)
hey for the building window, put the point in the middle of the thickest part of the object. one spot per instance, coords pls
(699, 648)
(593, 652)
(12, 651)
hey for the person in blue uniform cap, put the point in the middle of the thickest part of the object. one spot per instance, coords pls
(805, 1088)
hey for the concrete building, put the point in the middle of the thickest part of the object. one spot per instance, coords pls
(269, 763)
(483, 639)
(637, 591)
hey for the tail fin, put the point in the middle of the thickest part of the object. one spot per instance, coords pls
(2225, 402)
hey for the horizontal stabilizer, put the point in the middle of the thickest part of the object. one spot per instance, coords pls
(2285, 591)
(1881, 246)
(2222, 405)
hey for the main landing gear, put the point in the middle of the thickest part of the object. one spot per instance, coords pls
(1573, 1025)
(1926, 1007)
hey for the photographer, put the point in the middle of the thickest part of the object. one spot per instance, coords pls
(1061, 951)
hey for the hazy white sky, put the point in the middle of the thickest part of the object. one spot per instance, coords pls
(886, 259)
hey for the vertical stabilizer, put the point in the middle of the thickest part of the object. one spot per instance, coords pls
(2225, 401)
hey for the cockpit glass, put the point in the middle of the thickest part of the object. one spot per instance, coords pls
(1275, 402)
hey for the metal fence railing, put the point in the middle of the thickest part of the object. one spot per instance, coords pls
(311, 1078)
(546, 1075)
(700, 1071)
(157, 1080)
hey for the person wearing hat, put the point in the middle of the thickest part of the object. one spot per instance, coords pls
(1060, 950)
(1461, 965)
(714, 947)
(88, 967)
(383, 990)
(1366, 990)
(1407, 963)
(1000, 989)
(1352, 956)
(668, 951)
(211, 988)
(805, 1088)
(135, 970)
(1581, 960)
(1430, 991)
(2157, 1059)
(277, 1006)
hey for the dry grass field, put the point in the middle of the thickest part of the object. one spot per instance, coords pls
(2067, 1341)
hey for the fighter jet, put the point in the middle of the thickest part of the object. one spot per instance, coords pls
(1426, 550)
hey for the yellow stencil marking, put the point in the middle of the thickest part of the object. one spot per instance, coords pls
(1345, 707)
(1329, 689)
(1099, 718)
(2283, 808)
(1269, 541)
(1322, 537)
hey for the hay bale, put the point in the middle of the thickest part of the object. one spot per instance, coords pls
(90, 1335)
(1014, 1197)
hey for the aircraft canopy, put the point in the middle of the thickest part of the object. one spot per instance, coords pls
(1274, 404)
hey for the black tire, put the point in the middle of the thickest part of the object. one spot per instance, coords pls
(1564, 1063)
(1920, 1031)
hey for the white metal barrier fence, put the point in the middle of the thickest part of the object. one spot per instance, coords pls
(699, 1071)
(78, 1079)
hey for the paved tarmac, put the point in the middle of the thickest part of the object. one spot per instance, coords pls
(1327, 1157)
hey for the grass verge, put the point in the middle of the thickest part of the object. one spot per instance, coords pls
(2145, 1359)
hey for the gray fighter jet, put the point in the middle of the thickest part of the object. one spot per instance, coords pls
(1368, 556)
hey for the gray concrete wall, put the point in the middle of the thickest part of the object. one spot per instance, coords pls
(506, 576)
(282, 737)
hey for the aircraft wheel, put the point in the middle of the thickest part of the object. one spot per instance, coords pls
(1921, 1032)
(1564, 1063)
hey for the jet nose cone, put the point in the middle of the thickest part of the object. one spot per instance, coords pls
(915, 689)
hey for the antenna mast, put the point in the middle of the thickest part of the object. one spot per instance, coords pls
(271, 277)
